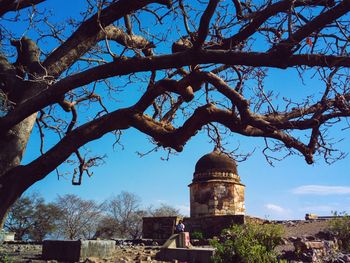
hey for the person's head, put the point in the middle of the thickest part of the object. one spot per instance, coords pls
(180, 222)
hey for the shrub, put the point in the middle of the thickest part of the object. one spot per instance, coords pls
(197, 235)
(4, 258)
(248, 243)
(340, 228)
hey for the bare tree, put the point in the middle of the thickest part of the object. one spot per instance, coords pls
(125, 215)
(164, 210)
(106, 228)
(213, 78)
(78, 218)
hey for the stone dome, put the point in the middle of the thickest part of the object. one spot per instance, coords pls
(216, 161)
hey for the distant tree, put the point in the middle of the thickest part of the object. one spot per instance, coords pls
(135, 224)
(106, 228)
(44, 221)
(124, 210)
(164, 210)
(20, 218)
(78, 218)
(185, 66)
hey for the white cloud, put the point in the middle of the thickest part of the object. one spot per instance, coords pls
(275, 208)
(321, 190)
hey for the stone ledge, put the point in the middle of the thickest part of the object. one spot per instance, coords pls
(74, 251)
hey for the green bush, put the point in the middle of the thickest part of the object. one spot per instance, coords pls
(4, 258)
(340, 228)
(197, 235)
(249, 243)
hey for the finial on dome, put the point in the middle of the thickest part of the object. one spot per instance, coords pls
(217, 149)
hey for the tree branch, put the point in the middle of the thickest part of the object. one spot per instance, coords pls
(126, 40)
(285, 47)
(86, 36)
(13, 5)
(203, 29)
(262, 16)
(177, 60)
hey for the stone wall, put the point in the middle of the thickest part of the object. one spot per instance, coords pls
(158, 227)
(163, 227)
(212, 225)
(74, 251)
(6, 236)
(216, 198)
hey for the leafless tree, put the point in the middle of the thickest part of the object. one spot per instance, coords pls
(77, 218)
(197, 65)
(164, 210)
(125, 215)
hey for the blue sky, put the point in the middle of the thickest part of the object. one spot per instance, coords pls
(288, 190)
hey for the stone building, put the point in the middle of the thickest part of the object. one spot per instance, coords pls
(216, 199)
(216, 188)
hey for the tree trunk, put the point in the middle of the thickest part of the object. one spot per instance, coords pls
(12, 148)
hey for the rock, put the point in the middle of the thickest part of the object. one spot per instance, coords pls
(90, 260)
(308, 238)
(285, 241)
(290, 223)
(346, 258)
(324, 235)
(294, 239)
(314, 245)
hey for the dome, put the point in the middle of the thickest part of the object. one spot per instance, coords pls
(216, 161)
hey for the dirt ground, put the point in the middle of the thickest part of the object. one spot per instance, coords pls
(13, 253)
(304, 227)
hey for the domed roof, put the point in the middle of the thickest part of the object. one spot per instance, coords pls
(216, 161)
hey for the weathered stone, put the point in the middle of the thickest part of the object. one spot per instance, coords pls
(77, 250)
(216, 189)
(212, 225)
(195, 255)
(314, 245)
(6, 236)
(158, 227)
(308, 237)
(216, 200)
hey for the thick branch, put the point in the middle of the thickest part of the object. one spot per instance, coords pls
(184, 87)
(129, 41)
(9, 83)
(86, 36)
(13, 5)
(262, 16)
(285, 47)
(28, 57)
(203, 29)
(238, 6)
(177, 60)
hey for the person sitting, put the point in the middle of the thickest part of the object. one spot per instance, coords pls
(180, 227)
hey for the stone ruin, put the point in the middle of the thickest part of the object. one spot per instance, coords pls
(216, 188)
(216, 200)
(6, 236)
